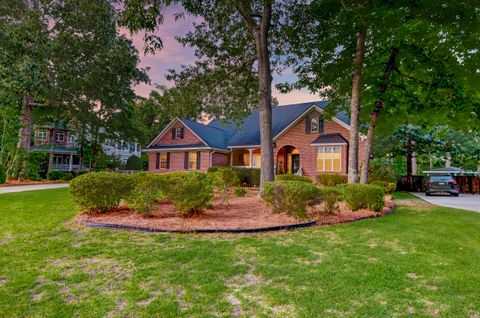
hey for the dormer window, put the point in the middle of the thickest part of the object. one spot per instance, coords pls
(314, 125)
(177, 133)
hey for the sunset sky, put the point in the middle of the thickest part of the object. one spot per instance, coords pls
(173, 55)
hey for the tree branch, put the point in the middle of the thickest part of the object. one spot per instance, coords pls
(250, 59)
(252, 25)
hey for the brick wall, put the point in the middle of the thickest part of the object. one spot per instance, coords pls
(188, 136)
(220, 159)
(177, 161)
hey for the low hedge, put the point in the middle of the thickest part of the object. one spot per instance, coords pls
(249, 176)
(100, 191)
(3, 175)
(240, 192)
(362, 196)
(190, 192)
(147, 190)
(223, 179)
(331, 179)
(330, 196)
(291, 197)
(59, 175)
(389, 186)
(292, 177)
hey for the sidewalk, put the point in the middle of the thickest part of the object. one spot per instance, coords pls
(21, 188)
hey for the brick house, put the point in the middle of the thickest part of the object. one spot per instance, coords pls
(304, 142)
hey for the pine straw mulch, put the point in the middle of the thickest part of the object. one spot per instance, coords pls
(16, 182)
(242, 213)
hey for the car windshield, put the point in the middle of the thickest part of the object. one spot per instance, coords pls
(441, 179)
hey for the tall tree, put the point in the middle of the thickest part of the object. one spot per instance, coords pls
(237, 45)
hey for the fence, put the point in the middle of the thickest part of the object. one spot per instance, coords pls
(466, 184)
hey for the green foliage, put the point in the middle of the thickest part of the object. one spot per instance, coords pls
(146, 192)
(331, 179)
(37, 165)
(81, 172)
(388, 186)
(190, 192)
(59, 175)
(223, 179)
(378, 171)
(292, 177)
(249, 176)
(213, 169)
(330, 196)
(291, 197)
(3, 175)
(100, 191)
(133, 163)
(362, 196)
(240, 192)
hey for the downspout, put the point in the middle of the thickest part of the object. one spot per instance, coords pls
(211, 157)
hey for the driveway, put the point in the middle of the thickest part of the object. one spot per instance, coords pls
(469, 202)
(21, 188)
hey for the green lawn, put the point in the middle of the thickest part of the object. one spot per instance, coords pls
(418, 263)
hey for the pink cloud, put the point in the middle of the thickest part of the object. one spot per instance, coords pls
(173, 55)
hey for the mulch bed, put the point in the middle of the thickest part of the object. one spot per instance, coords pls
(248, 212)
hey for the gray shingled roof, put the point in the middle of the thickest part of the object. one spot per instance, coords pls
(329, 139)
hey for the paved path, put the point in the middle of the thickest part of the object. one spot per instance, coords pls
(469, 202)
(21, 188)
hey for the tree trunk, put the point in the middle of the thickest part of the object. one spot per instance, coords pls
(52, 147)
(82, 148)
(414, 164)
(448, 160)
(355, 108)
(25, 132)
(259, 32)
(374, 118)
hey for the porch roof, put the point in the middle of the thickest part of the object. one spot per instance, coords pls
(56, 149)
(330, 139)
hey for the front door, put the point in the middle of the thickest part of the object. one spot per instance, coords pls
(295, 163)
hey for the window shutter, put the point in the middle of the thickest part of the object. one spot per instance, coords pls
(181, 133)
(173, 133)
(157, 162)
(198, 159)
(320, 125)
(168, 160)
(185, 161)
(307, 125)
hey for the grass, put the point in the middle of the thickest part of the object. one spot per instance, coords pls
(413, 262)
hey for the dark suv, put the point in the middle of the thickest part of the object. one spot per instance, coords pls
(442, 184)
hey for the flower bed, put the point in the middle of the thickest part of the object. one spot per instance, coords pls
(248, 212)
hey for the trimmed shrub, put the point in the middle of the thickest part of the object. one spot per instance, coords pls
(212, 169)
(330, 196)
(249, 176)
(80, 172)
(3, 175)
(240, 192)
(291, 197)
(190, 192)
(100, 191)
(223, 179)
(389, 186)
(37, 165)
(56, 175)
(133, 163)
(362, 196)
(331, 179)
(378, 171)
(145, 193)
(292, 177)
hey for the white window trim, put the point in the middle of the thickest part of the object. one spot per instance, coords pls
(178, 132)
(60, 134)
(41, 135)
(324, 160)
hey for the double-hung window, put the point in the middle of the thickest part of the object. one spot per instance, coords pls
(329, 159)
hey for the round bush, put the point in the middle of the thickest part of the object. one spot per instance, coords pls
(190, 192)
(292, 177)
(3, 175)
(330, 196)
(389, 186)
(240, 192)
(100, 191)
(331, 179)
(362, 196)
(133, 163)
(291, 197)
(145, 193)
(57, 175)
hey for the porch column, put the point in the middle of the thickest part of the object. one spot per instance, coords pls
(70, 162)
(251, 157)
